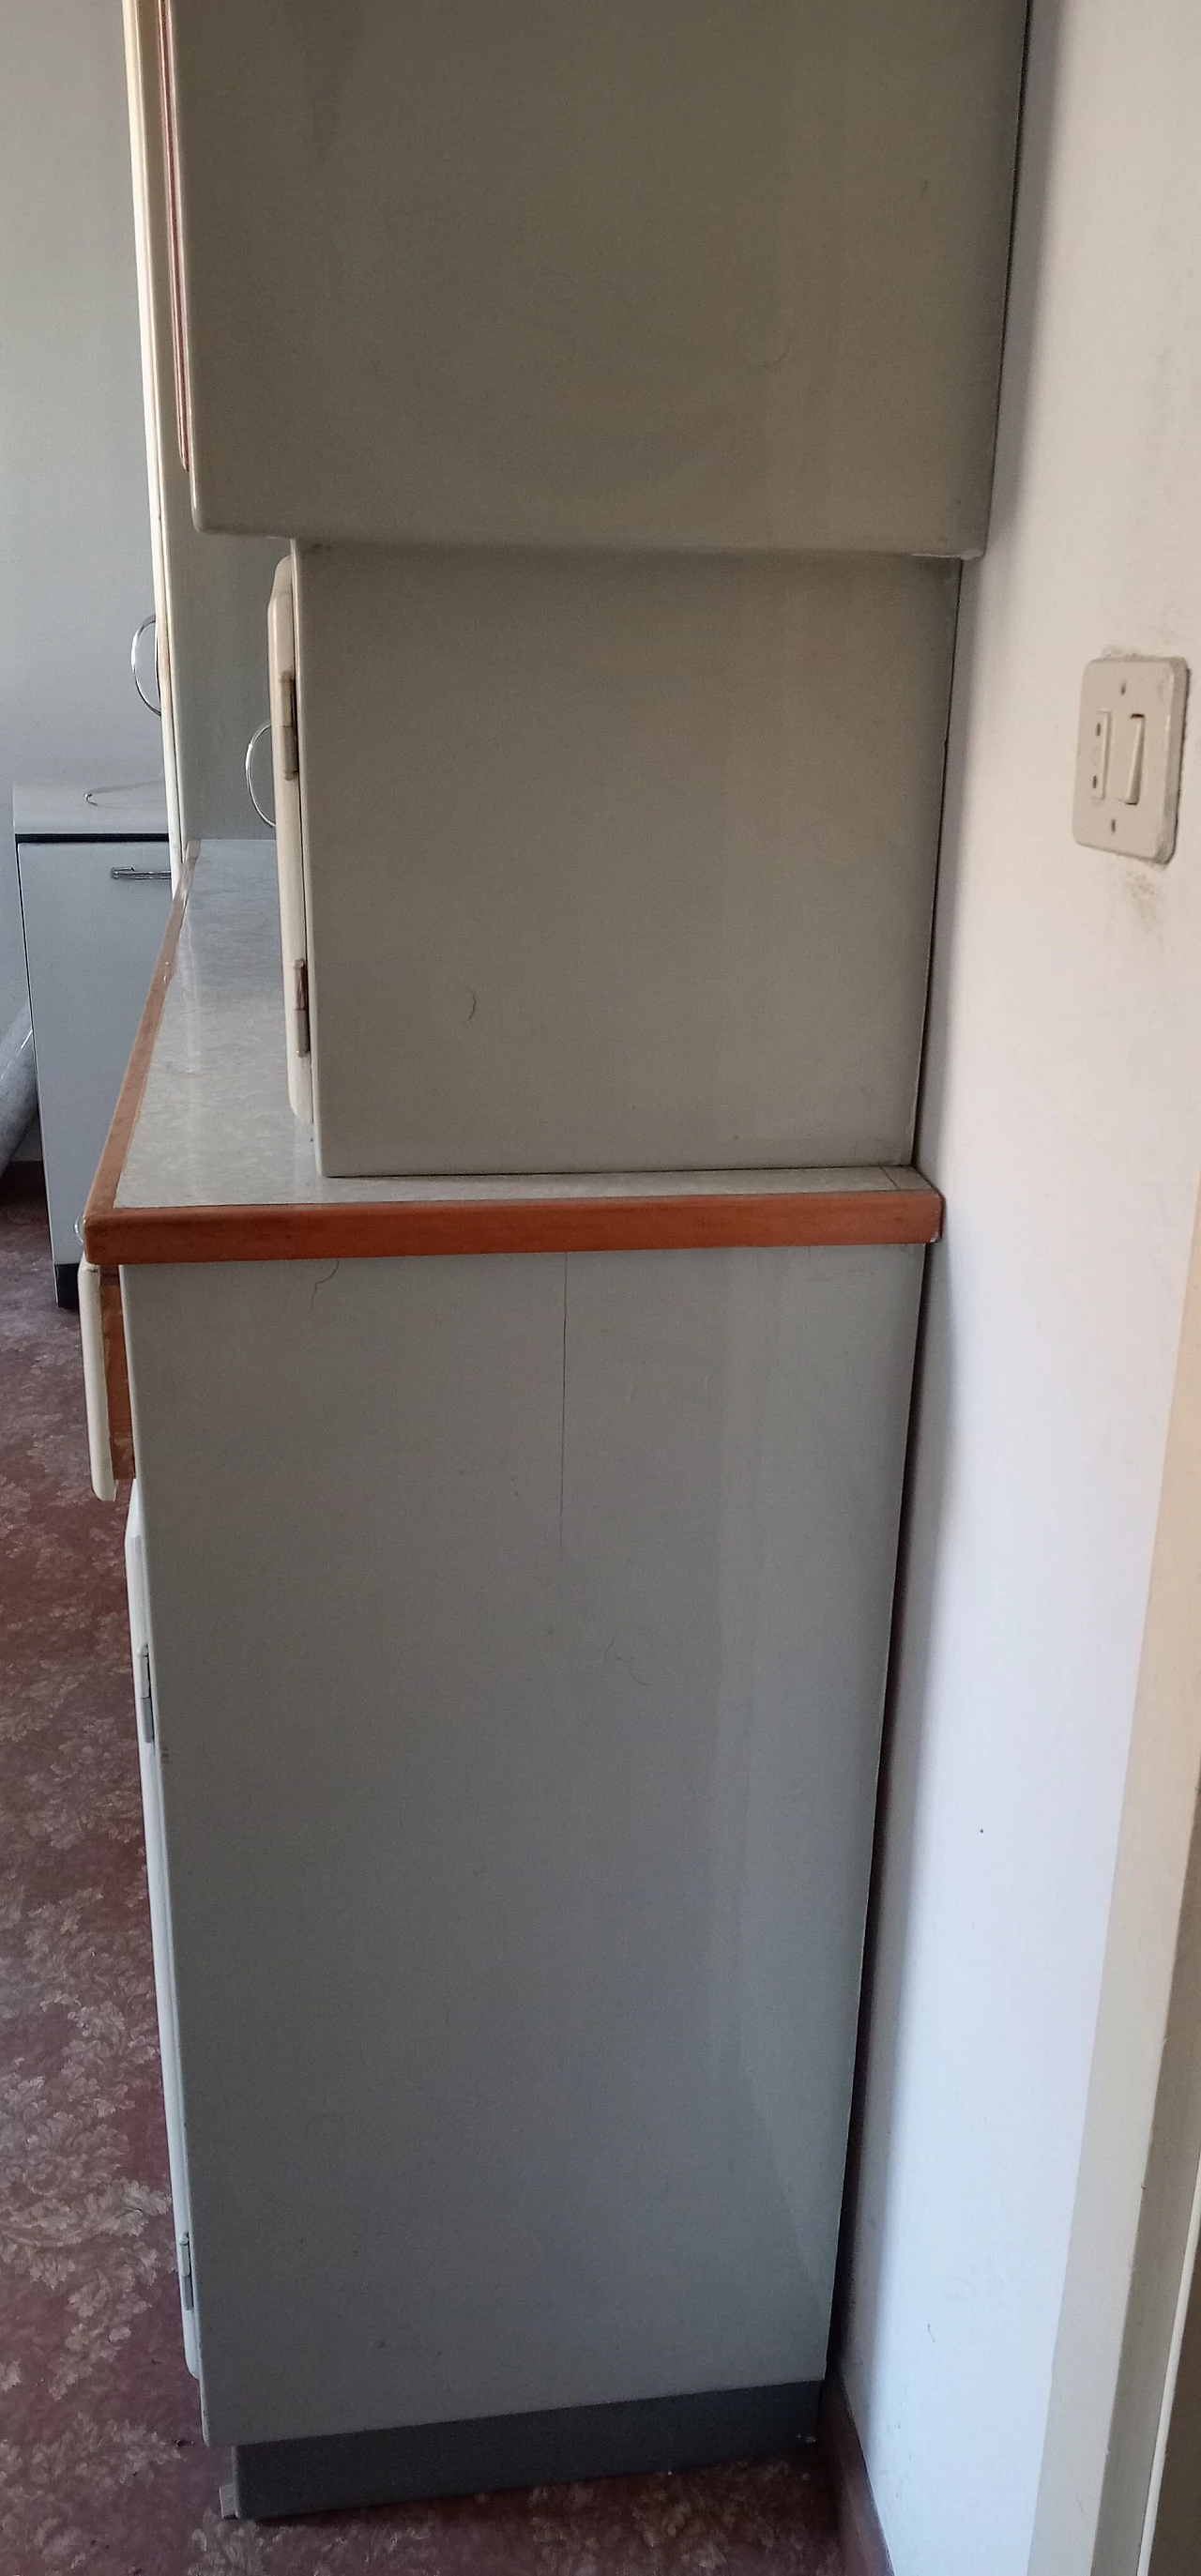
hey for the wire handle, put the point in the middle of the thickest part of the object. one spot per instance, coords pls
(251, 749)
(155, 704)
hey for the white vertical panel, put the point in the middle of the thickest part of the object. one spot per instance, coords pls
(520, 1630)
(1063, 1122)
(211, 594)
(160, 1926)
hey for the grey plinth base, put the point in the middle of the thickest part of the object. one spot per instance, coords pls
(338, 2470)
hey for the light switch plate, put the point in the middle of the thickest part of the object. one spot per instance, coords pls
(1128, 755)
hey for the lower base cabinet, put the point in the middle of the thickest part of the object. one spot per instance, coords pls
(517, 1636)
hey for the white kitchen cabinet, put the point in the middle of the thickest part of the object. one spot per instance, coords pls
(691, 275)
(518, 1563)
(94, 912)
(599, 863)
(518, 1865)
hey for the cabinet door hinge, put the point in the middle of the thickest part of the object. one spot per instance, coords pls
(185, 2273)
(300, 974)
(145, 1696)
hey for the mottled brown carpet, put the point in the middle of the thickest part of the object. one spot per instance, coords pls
(101, 2462)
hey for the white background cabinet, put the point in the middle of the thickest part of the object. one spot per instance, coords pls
(94, 913)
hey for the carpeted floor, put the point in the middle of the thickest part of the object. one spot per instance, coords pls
(101, 2462)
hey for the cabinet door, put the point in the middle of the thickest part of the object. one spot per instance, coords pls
(95, 913)
(691, 275)
(160, 1929)
(210, 592)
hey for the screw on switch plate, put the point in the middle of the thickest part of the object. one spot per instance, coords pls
(1128, 755)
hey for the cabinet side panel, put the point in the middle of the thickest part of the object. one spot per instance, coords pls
(520, 1631)
(618, 864)
(693, 276)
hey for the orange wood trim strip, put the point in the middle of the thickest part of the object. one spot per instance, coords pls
(116, 1376)
(391, 1230)
(102, 1196)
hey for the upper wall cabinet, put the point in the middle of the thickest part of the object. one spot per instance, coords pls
(607, 863)
(712, 274)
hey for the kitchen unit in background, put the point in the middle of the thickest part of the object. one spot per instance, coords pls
(94, 874)
(93, 922)
(519, 1444)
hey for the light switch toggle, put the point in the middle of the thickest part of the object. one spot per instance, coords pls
(1135, 733)
(1128, 753)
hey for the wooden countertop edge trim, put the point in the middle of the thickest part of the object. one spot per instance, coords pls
(392, 1230)
(101, 1205)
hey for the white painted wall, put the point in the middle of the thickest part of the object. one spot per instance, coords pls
(74, 525)
(1062, 1117)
